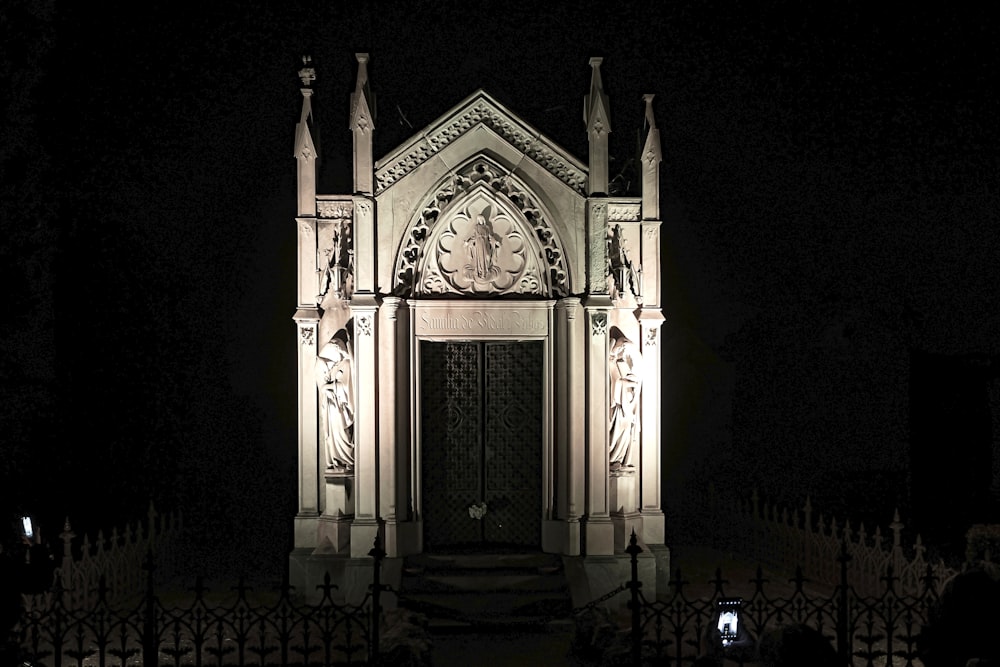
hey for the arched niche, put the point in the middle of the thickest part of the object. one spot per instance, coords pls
(481, 232)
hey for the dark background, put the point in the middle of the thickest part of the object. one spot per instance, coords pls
(829, 196)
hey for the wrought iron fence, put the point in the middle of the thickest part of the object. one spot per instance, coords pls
(678, 629)
(277, 628)
(117, 559)
(243, 628)
(790, 538)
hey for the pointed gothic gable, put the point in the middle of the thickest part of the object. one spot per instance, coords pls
(480, 109)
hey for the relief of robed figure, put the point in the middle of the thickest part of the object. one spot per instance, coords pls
(625, 365)
(334, 380)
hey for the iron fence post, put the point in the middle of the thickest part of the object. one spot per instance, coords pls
(634, 584)
(377, 553)
(150, 640)
(843, 638)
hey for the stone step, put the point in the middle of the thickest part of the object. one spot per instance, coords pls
(524, 590)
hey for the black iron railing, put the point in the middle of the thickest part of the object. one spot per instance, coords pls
(677, 629)
(245, 628)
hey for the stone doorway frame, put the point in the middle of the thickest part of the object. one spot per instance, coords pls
(475, 321)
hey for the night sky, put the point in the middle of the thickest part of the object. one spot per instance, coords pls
(829, 198)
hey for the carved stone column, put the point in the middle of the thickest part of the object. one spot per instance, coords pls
(388, 443)
(569, 431)
(575, 405)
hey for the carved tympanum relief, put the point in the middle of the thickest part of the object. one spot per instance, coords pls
(480, 249)
(481, 233)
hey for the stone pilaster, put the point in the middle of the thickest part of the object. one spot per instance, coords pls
(650, 321)
(365, 525)
(309, 501)
(599, 532)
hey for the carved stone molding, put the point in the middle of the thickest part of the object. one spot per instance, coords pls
(597, 268)
(600, 323)
(307, 336)
(620, 212)
(508, 261)
(364, 324)
(486, 112)
(335, 209)
(390, 305)
(651, 336)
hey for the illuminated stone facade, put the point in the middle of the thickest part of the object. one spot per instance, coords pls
(483, 237)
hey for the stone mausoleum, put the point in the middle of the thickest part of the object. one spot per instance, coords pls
(477, 329)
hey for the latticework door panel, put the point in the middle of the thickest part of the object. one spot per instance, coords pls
(513, 452)
(481, 440)
(451, 412)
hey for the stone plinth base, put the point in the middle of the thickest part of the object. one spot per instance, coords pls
(592, 577)
(334, 535)
(622, 498)
(339, 493)
(623, 501)
(599, 537)
(561, 536)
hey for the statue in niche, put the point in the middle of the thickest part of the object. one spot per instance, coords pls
(333, 379)
(482, 246)
(338, 266)
(625, 363)
(620, 267)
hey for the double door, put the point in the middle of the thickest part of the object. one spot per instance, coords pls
(481, 444)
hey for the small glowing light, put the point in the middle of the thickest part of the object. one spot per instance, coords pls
(728, 626)
(29, 532)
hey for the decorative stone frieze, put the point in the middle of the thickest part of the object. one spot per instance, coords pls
(335, 209)
(619, 212)
(484, 111)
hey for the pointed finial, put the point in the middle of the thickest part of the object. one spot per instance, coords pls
(307, 74)
(648, 99)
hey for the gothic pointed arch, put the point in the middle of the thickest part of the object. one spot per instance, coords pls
(481, 232)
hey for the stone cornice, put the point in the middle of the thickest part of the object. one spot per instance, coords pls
(477, 109)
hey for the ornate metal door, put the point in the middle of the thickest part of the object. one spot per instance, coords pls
(481, 443)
